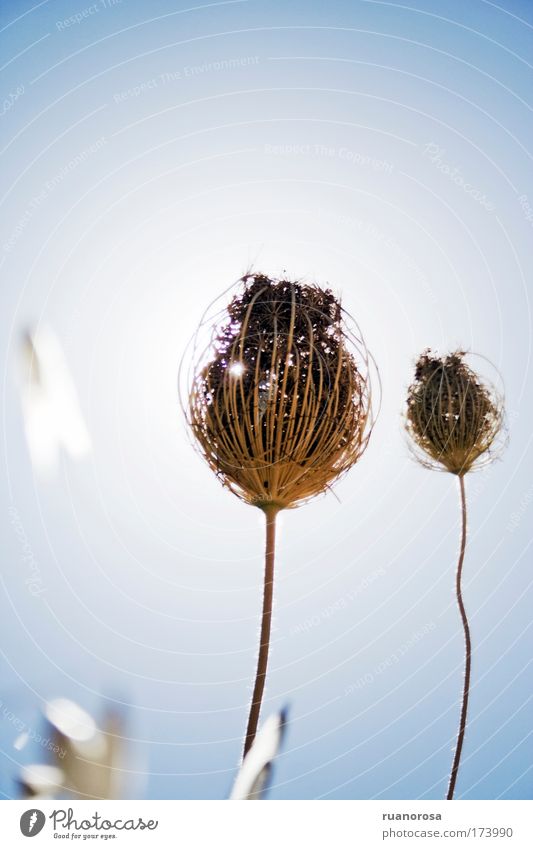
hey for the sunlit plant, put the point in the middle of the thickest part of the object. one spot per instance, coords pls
(455, 420)
(280, 407)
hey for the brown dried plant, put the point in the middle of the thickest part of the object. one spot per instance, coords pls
(453, 417)
(455, 420)
(280, 406)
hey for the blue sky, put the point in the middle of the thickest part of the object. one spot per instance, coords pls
(150, 155)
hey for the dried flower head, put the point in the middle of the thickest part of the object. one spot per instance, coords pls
(453, 416)
(455, 420)
(281, 406)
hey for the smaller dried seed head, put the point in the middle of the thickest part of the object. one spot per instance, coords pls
(453, 416)
(280, 403)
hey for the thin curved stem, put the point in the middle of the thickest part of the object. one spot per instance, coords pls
(468, 645)
(266, 622)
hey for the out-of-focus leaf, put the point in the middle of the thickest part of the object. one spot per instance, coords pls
(40, 781)
(254, 775)
(91, 758)
(50, 407)
(71, 720)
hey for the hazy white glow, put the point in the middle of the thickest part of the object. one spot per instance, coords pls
(237, 369)
(52, 415)
(41, 778)
(71, 720)
(21, 741)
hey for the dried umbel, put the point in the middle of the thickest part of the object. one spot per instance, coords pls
(453, 416)
(280, 406)
(455, 419)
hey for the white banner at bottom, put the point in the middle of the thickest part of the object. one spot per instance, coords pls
(269, 825)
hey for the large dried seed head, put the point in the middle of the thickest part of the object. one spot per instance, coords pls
(453, 417)
(280, 403)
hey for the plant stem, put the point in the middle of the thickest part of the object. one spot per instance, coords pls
(266, 621)
(468, 645)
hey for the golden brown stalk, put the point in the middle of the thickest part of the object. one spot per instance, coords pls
(468, 645)
(266, 622)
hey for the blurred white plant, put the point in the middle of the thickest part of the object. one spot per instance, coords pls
(50, 406)
(254, 775)
(40, 781)
(88, 762)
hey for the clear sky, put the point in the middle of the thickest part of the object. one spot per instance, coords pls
(150, 153)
